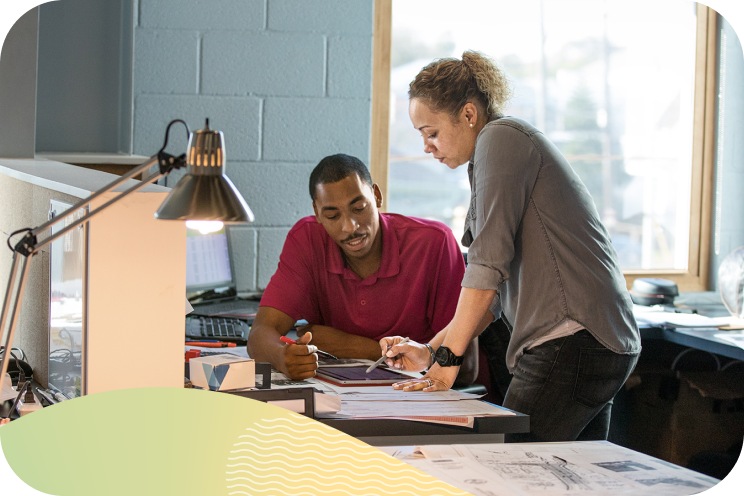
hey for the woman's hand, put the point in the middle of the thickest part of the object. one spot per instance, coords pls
(408, 355)
(436, 379)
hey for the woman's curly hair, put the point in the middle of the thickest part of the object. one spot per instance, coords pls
(447, 84)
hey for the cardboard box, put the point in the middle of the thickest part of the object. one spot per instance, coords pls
(674, 416)
(222, 372)
(708, 415)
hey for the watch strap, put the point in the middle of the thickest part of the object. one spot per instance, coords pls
(446, 358)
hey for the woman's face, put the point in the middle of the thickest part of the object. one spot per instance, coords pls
(449, 140)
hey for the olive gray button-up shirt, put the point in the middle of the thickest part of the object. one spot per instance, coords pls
(534, 235)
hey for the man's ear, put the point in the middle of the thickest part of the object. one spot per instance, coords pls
(378, 195)
(315, 210)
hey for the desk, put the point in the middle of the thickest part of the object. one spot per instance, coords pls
(700, 339)
(706, 303)
(392, 432)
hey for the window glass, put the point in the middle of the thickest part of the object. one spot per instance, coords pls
(610, 82)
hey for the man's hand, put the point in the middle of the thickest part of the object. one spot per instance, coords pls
(299, 360)
(341, 344)
(296, 361)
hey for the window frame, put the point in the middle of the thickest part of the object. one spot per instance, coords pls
(697, 275)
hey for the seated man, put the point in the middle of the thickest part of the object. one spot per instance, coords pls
(355, 275)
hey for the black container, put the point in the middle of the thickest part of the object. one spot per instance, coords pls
(653, 291)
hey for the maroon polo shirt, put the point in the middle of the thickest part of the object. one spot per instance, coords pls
(414, 293)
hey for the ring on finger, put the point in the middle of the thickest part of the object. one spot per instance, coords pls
(429, 383)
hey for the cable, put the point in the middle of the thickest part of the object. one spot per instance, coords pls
(25, 229)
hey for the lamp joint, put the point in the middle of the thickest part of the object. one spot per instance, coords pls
(169, 163)
(27, 244)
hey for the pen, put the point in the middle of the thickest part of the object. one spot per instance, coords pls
(211, 344)
(285, 339)
(383, 357)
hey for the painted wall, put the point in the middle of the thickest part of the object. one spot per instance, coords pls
(287, 81)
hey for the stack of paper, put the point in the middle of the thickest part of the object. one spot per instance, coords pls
(655, 317)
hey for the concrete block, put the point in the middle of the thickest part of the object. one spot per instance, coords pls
(198, 14)
(276, 192)
(270, 243)
(349, 70)
(302, 129)
(276, 64)
(330, 16)
(166, 61)
(237, 118)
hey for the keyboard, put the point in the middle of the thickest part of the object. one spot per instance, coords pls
(223, 328)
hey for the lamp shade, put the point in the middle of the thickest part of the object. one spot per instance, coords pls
(205, 193)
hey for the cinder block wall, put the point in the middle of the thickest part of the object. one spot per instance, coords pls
(287, 81)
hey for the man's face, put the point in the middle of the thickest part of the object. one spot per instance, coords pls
(347, 209)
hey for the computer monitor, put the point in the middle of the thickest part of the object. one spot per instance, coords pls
(208, 264)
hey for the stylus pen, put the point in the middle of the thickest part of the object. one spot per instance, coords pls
(383, 357)
(285, 339)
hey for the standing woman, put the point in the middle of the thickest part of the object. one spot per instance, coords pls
(538, 256)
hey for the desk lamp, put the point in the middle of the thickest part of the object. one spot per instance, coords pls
(204, 197)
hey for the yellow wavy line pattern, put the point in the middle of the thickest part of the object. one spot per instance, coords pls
(156, 441)
(278, 456)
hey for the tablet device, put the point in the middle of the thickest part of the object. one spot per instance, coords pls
(358, 376)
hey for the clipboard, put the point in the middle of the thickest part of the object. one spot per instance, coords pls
(358, 376)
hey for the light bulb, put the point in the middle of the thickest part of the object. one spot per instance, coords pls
(204, 226)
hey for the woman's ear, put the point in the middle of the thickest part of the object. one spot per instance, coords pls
(470, 114)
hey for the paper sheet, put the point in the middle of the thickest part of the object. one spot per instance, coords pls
(734, 337)
(525, 469)
(401, 409)
(8, 393)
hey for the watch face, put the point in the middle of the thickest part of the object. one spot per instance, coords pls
(445, 358)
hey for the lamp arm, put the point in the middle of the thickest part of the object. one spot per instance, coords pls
(30, 244)
(11, 305)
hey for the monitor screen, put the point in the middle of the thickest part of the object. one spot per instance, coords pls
(208, 265)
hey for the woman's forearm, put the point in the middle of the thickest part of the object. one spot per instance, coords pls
(471, 317)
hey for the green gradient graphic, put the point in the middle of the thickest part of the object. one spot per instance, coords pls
(187, 441)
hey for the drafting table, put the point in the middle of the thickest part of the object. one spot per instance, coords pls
(579, 467)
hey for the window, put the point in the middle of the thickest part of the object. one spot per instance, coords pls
(630, 109)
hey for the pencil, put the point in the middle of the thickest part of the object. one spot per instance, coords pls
(383, 357)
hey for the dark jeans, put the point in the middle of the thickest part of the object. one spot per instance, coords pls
(566, 386)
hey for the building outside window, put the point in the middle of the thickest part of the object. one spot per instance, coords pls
(613, 87)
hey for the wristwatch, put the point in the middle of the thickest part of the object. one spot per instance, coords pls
(445, 358)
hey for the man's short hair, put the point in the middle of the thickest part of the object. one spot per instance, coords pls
(334, 168)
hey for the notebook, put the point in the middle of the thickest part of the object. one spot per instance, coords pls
(210, 279)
